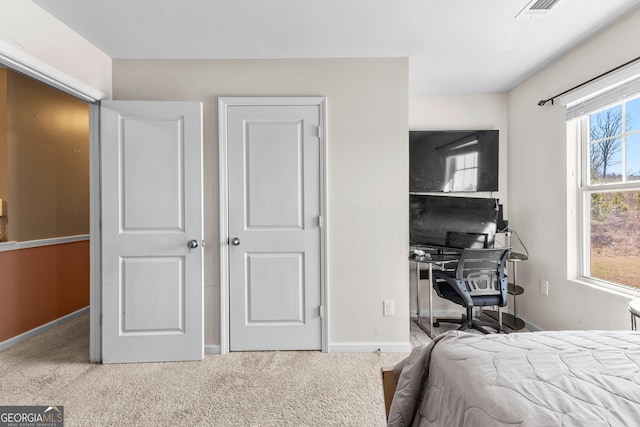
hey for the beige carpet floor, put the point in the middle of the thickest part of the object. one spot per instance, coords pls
(238, 389)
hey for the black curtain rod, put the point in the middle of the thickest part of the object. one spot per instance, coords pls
(544, 101)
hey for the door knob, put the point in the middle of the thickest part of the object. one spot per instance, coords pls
(192, 244)
(235, 241)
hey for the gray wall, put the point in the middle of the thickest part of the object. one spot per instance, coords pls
(539, 176)
(367, 175)
(28, 30)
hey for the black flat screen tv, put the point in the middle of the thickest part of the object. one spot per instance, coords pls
(455, 222)
(453, 161)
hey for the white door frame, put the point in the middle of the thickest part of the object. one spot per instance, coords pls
(223, 104)
(22, 62)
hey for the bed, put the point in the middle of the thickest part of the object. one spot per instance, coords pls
(576, 378)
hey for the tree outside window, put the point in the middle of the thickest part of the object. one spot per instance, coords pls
(613, 199)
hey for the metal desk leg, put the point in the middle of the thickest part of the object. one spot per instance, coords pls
(417, 292)
(431, 300)
(428, 331)
(515, 294)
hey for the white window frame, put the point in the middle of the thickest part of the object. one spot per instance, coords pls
(462, 177)
(578, 131)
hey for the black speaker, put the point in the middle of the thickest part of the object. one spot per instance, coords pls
(502, 224)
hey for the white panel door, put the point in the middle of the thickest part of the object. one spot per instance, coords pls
(151, 184)
(274, 231)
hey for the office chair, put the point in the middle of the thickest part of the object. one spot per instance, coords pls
(478, 280)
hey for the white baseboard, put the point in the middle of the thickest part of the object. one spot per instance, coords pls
(532, 327)
(370, 347)
(386, 347)
(212, 349)
(40, 329)
(439, 313)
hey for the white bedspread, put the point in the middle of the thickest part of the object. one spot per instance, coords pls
(571, 378)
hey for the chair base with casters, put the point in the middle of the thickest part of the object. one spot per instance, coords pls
(467, 321)
(478, 280)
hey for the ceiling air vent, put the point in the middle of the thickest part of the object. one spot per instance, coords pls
(537, 8)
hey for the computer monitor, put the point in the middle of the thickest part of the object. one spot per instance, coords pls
(459, 222)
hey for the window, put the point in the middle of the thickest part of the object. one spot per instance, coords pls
(462, 172)
(608, 193)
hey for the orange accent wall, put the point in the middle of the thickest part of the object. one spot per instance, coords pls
(39, 285)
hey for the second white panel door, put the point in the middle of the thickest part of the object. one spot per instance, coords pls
(274, 227)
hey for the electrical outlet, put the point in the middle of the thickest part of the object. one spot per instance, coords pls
(544, 287)
(388, 307)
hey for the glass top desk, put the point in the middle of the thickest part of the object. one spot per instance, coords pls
(438, 256)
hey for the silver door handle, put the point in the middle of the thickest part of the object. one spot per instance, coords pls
(235, 241)
(192, 244)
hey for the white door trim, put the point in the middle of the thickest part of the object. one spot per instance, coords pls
(22, 62)
(223, 243)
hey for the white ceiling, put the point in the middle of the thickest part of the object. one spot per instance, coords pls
(454, 46)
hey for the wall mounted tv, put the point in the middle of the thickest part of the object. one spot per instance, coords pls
(456, 222)
(453, 161)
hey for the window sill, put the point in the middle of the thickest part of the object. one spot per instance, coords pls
(603, 286)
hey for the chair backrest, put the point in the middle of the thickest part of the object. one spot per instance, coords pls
(483, 270)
